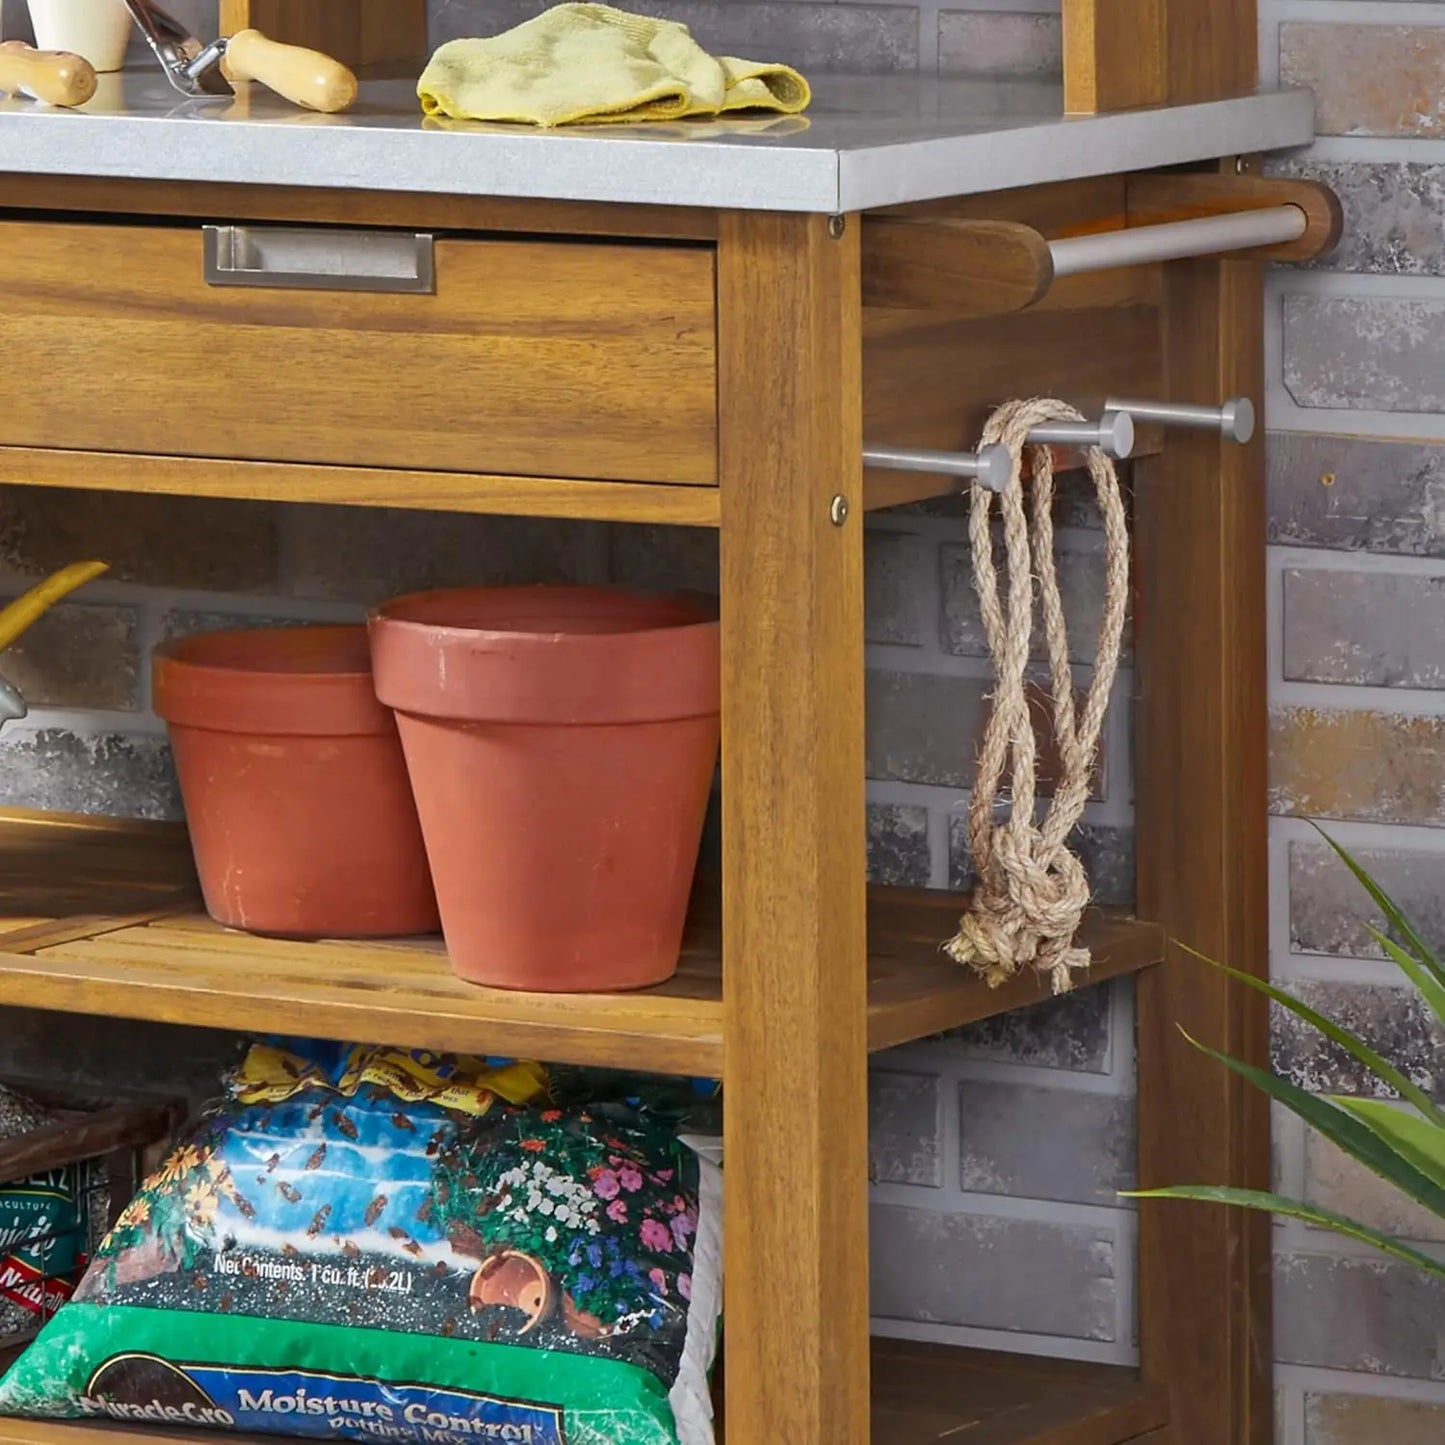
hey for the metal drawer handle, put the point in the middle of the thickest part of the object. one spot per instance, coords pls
(320, 259)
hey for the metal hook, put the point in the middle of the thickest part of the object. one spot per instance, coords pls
(1234, 420)
(992, 466)
(1112, 433)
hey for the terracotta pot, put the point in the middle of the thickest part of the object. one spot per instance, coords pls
(295, 788)
(561, 743)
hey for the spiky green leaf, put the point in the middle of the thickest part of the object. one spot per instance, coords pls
(1355, 1046)
(1294, 1209)
(1415, 1140)
(1340, 1128)
(1432, 992)
(1394, 916)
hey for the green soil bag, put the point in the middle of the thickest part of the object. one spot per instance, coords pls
(376, 1245)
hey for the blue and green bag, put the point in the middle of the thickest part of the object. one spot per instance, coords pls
(379, 1245)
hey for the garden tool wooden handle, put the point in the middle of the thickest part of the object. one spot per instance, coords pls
(54, 76)
(304, 77)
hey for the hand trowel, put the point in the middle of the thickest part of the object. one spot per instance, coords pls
(305, 77)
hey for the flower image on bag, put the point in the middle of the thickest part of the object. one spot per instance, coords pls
(375, 1244)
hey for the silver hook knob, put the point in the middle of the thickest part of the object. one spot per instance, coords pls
(1112, 433)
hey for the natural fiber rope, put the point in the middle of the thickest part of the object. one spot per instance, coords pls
(1031, 890)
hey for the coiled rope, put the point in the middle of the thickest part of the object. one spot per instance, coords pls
(1031, 890)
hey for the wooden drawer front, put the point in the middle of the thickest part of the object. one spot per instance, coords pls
(531, 358)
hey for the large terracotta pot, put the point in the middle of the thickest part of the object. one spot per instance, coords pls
(561, 743)
(294, 784)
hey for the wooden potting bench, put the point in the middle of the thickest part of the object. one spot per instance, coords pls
(704, 327)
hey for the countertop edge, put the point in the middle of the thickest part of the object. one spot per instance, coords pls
(1080, 147)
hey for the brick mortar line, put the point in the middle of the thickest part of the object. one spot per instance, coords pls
(946, 1062)
(1295, 1239)
(1283, 558)
(1321, 1380)
(1408, 702)
(1366, 149)
(1353, 12)
(1360, 833)
(1289, 969)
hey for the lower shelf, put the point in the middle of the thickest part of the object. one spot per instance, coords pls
(101, 917)
(921, 1394)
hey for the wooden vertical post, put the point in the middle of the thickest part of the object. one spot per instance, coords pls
(1120, 54)
(356, 32)
(794, 952)
(1203, 870)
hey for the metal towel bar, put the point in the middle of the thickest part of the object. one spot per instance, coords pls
(1175, 240)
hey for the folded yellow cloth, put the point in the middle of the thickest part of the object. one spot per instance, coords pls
(591, 63)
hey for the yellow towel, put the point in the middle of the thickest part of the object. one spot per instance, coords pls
(591, 63)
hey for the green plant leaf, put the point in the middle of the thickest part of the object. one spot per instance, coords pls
(1423, 953)
(1340, 1128)
(1432, 992)
(1417, 1140)
(1294, 1209)
(1380, 1067)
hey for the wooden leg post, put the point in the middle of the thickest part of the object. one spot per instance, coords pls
(794, 980)
(1204, 1271)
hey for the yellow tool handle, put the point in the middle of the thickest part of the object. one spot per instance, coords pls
(54, 76)
(304, 77)
(30, 608)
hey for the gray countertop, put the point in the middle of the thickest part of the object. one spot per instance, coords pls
(865, 142)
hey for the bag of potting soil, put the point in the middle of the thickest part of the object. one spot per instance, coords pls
(43, 1227)
(376, 1245)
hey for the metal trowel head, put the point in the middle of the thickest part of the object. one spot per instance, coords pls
(193, 68)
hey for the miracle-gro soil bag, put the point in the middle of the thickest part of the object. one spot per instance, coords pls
(375, 1245)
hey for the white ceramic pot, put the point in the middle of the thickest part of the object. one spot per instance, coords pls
(99, 30)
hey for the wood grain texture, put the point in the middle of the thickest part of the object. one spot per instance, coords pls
(794, 984)
(682, 506)
(73, 1140)
(532, 358)
(932, 380)
(1068, 208)
(1201, 824)
(1059, 208)
(356, 32)
(100, 917)
(357, 208)
(968, 268)
(925, 1392)
(1156, 199)
(1120, 54)
(1114, 54)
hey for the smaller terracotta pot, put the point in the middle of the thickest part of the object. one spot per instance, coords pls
(561, 743)
(294, 784)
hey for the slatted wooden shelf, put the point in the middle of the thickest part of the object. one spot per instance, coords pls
(101, 917)
(921, 1394)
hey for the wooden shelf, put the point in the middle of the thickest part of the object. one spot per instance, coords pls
(432, 491)
(101, 917)
(921, 1394)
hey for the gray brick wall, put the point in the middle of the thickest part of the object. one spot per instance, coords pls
(1356, 352)
(995, 1149)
